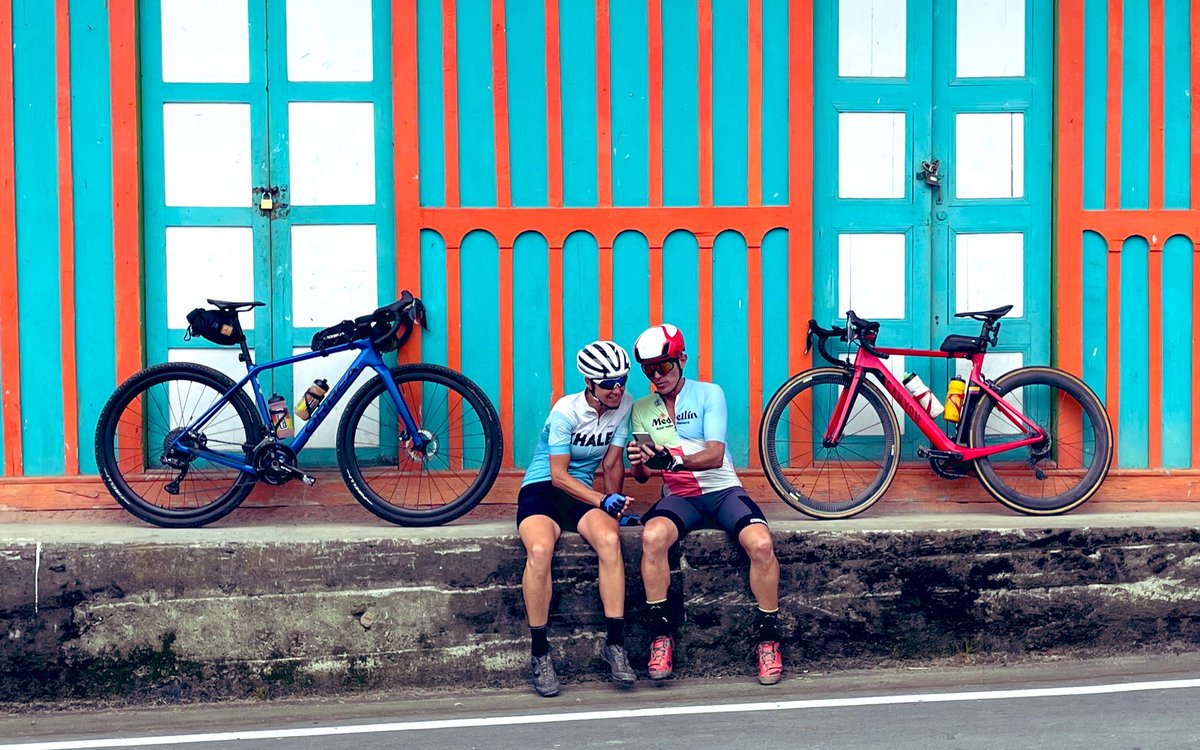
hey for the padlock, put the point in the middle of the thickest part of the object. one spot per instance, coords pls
(266, 202)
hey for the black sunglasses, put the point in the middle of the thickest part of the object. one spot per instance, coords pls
(610, 383)
(659, 368)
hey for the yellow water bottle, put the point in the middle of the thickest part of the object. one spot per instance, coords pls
(954, 399)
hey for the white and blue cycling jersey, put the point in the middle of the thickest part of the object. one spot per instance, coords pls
(574, 428)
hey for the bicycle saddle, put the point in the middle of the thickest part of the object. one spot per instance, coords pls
(986, 315)
(235, 306)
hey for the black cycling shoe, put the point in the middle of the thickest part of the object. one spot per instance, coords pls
(618, 661)
(541, 674)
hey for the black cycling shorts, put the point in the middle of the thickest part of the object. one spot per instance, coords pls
(544, 499)
(730, 509)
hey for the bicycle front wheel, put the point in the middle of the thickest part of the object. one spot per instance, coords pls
(1064, 470)
(434, 484)
(138, 437)
(823, 481)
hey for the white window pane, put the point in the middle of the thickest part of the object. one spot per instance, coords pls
(223, 359)
(206, 154)
(871, 275)
(332, 151)
(329, 41)
(333, 274)
(329, 369)
(863, 420)
(996, 364)
(990, 155)
(208, 263)
(871, 151)
(871, 38)
(205, 42)
(991, 38)
(990, 272)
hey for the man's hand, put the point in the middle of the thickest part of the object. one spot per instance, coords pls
(637, 454)
(663, 460)
(613, 504)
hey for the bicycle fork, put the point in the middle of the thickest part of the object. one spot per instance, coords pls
(841, 412)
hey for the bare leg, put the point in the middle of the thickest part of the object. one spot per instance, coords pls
(539, 534)
(764, 566)
(602, 532)
(657, 537)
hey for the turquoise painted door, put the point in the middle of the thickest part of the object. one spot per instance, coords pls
(289, 96)
(962, 89)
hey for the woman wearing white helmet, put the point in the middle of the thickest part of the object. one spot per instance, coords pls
(584, 431)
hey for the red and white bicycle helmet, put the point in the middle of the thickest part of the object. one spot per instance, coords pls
(658, 343)
(601, 360)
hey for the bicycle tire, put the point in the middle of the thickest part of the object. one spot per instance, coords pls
(1010, 479)
(131, 438)
(431, 488)
(876, 460)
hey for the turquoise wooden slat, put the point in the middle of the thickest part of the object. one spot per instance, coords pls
(631, 298)
(775, 103)
(730, 317)
(580, 303)
(532, 386)
(1178, 388)
(1133, 432)
(433, 295)
(526, 36)
(681, 128)
(1135, 106)
(430, 104)
(476, 111)
(1095, 103)
(479, 270)
(1177, 110)
(36, 180)
(630, 110)
(577, 22)
(1095, 313)
(681, 279)
(91, 148)
(777, 300)
(730, 57)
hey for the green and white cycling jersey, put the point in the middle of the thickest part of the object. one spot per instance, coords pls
(700, 417)
(575, 429)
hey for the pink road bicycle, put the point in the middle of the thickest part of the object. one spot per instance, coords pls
(1037, 438)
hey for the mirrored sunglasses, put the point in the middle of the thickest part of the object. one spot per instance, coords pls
(610, 383)
(658, 368)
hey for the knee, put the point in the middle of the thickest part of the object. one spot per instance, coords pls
(760, 548)
(656, 539)
(608, 546)
(538, 556)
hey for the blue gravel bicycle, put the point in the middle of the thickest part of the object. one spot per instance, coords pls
(181, 444)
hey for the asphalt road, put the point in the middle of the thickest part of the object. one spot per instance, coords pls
(1119, 703)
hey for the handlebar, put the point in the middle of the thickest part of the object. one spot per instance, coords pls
(860, 330)
(404, 312)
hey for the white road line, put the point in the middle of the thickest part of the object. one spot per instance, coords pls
(634, 713)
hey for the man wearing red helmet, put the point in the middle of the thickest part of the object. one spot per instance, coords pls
(685, 423)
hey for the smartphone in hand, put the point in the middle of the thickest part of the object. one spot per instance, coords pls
(643, 438)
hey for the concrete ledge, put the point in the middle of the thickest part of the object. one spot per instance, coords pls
(141, 614)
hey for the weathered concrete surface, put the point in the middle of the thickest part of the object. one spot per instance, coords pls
(146, 614)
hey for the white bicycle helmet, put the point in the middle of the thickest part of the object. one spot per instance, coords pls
(601, 360)
(657, 343)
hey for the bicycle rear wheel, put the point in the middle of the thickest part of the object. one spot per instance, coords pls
(828, 481)
(137, 431)
(420, 487)
(1062, 472)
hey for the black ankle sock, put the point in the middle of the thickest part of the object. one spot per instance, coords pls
(616, 631)
(767, 625)
(540, 645)
(658, 620)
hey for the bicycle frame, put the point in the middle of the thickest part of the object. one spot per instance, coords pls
(367, 357)
(865, 361)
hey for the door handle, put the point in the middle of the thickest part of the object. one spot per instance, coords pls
(930, 175)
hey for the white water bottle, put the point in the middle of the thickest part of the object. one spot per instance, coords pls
(923, 395)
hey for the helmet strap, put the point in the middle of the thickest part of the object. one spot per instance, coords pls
(592, 399)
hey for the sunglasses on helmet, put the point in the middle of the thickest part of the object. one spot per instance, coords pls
(659, 368)
(609, 383)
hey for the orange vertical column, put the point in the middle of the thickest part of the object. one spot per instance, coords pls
(10, 339)
(1069, 258)
(1112, 160)
(754, 336)
(656, 282)
(604, 275)
(450, 98)
(1113, 360)
(500, 106)
(655, 104)
(754, 85)
(704, 306)
(1155, 370)
(66, 239)
(505, 315)
(800, 192)
(127, 265)
(554, 291)
(554, 160)
(604, 190)
(1156, 113)
(704, 99)
(406, 153)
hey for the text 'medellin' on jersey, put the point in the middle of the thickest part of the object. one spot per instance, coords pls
(575, 429)
(700, 417)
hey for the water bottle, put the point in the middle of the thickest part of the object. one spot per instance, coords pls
(281, 421)
(308, 402)
(923, 395)
(954, 399)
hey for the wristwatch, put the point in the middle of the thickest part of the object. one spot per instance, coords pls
(676, 464)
